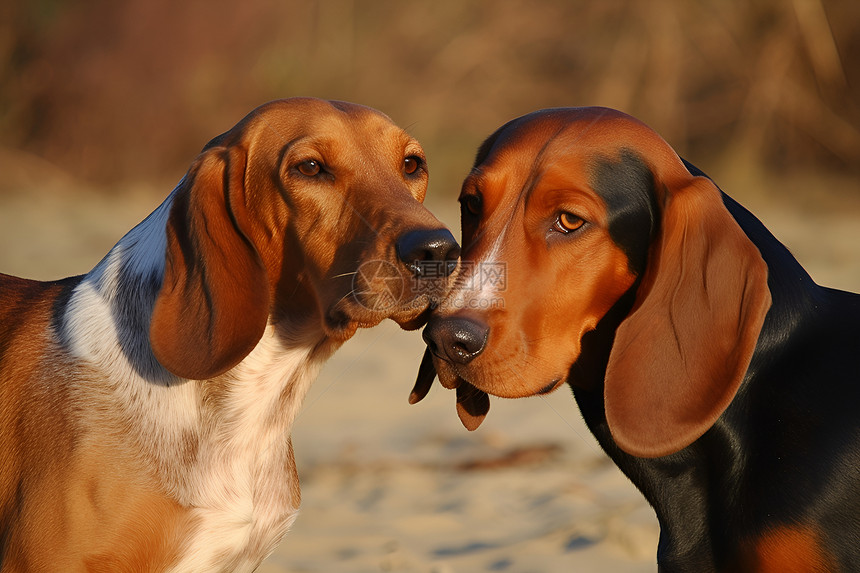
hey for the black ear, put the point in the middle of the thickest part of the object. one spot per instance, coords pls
(424, 381)
(213, 304)
(472, 404)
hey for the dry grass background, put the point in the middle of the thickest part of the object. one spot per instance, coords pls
(104, 104)
(118, 91)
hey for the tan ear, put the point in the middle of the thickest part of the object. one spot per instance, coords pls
(680, 356)
(213, 304)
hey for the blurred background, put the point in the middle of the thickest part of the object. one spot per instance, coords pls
(104, 104)
(117, 98)
(116, 91)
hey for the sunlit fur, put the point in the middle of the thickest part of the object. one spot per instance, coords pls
(221, 446)
(130, 447)
(720, 378)
(556, 290)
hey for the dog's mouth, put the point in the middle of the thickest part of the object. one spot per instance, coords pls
(350, 313)
(412, 319)
(549, 388)
(381, 290)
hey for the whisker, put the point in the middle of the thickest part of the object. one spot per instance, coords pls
(344, 297)
(557, 413)
(342, 374)
(343, 275)
(531, 359)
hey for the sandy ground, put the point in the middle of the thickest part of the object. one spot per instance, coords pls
(393, 487)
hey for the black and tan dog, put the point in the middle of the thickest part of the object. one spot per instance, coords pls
(719, 377)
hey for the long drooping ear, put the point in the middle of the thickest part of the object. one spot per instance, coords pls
(213, 304)
(680, 356)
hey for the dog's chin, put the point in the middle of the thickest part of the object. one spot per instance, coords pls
(343, 319)
(340, 328)
(413, 318)
(550, 388)
(451, 376)
(341, 322)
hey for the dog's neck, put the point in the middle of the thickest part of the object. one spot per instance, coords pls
(797, 303)
(220, 447)
(244, 414)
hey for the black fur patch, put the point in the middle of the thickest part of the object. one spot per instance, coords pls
(626, 184)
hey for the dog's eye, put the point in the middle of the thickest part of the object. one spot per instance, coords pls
(309, 168)
(411, 164)
(568, 222)
(471, 204)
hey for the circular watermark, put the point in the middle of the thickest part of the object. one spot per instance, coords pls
(378, 286)
(381, 286)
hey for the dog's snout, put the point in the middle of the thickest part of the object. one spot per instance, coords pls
(456, 339)
(429, 252)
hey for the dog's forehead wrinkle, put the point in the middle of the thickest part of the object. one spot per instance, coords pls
(550, 134)
(363, 158)
(534, 171)
(334, 123)
(558, 137)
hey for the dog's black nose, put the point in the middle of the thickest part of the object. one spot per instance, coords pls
(429, 253)
(456, 339)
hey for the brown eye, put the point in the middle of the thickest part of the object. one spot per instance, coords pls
(309, 168)
(471, 204)
(567, 223)
(410, 165)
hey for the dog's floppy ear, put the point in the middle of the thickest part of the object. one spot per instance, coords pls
(213, 304)
(680, 355)
(472, 404)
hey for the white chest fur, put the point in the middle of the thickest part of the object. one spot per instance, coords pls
(243, 485)
(219, 447)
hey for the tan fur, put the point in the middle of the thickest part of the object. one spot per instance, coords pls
(795, 549)
(678, 357)
(145, 408)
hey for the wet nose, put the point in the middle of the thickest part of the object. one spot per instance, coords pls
(456, 339)
(428, 252)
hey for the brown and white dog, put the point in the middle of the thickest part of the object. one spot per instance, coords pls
(145, 407)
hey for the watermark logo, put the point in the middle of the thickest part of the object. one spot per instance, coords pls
(379, 286)
(382, 286)
(484, 276)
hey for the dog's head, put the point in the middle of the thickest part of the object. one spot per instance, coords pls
(573, 218)
(309, 211)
